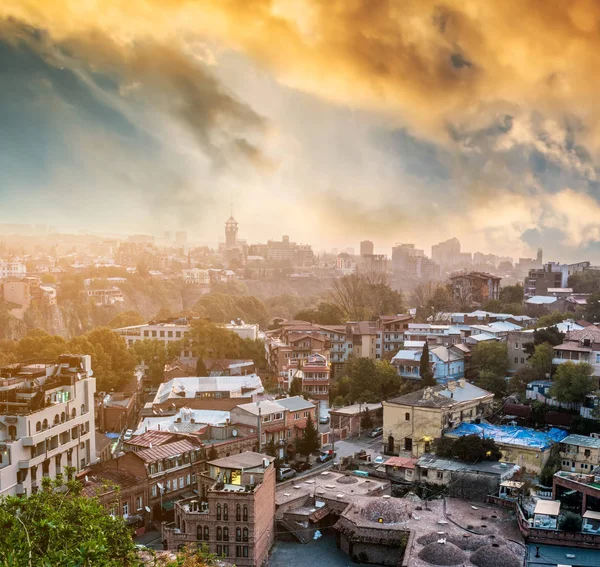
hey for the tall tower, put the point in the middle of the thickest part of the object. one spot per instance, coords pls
(231, 230)
(539, 257)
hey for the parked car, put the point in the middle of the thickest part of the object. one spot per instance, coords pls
(301, 466)
(128, 435)
(376, 432)
(325, 456)
(324, 419)
(286, 473)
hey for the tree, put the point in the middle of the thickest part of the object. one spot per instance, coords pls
(310, 441)
(541, 360)
(59, 526)
(492, 382)
(296, 386)
(431, 300)
(469, 448)
(324, 314)
(366, 421)
(552, 319)
(212, 454)
(512, 294)
(126, 319)
(425, 372)
(592, 308)
(585, 282)
(491, 356)
(201, 369)
(550, 335)
(572, 382)
(518, 382)
(570, 522)
(271, 448)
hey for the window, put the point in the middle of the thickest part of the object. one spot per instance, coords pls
(226, 550)
(587, 453)
(238, 534)
(38, 426)
(245, 513)
(219, 533)
(238, 513)
(296, 416)
(440, 475)
(516, 360)
(522, 361)
(125, 508)
(162, 334)
(206, 533)
(45, 424)
(516, 346)
(140, 502)
(407, 416)
(199, 533)
(169, 484)
(597, 358)
(245, 532)
(180, 482)
(187, 479)
(245, 551)
(219, 550)
(238, 550)
(424, 473)
(154, 491)
(73, 413)
(225, 512)
(218, 512)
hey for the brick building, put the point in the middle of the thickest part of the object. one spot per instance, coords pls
(234, 512)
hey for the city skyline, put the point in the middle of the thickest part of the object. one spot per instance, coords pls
(350, 123)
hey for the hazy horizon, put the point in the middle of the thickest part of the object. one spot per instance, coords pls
(331, 122)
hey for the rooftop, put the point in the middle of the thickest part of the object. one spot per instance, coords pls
(242, 461)
(188, 386)
(510, 435)
(167, 451)
(355, 409)
(443, 395)
(429, 461)
(582, 441)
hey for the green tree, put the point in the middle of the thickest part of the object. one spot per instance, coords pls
(155, 354)
(511, 294)
(492, 382)
(425, 372)
(324, 314)
(585, 282)
(48, 279)
(469, 448)
(366, 421)
(296, 386)
(271, 448)
(541, 360)
(550, 335)
(126, 319)
(518, 382)
(592, 308)
(38, 344)
(552, 319)
(570, 522)
(491, 356)
(310, 440)
(59, 526)
(201, 369)
(572, 382)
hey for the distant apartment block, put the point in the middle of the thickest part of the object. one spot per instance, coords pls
(12, 269)
(366, 248)
(107, 296)
(196, 277)
(46, 421)
(477, 287)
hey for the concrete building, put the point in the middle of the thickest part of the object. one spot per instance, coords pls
(366, 248)
(527, 448)
(446, 254)
(477, 287)
(46, 421)
(411, 422)
(580, 454)
(350, 417)
(234, 512)
(10, 269)
(116, 412)
(515, 343)
(17, 292)
(580, 346)
(196, 277)
(107, 296)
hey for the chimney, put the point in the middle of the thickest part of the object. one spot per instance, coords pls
(462, 383)
(427, 393)
(259, 429)
(451, 385)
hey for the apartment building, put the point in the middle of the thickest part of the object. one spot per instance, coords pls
(390, 334)
(580, 346)
(169, 471)
(46, 421)
(477, 287)
(411, 422)
(234, 512)
(579, 453)
(196, 277)
(279, 421)
(107, 296)
(12, 269)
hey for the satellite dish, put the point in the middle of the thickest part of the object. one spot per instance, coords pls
(234, 433)
(147, 508)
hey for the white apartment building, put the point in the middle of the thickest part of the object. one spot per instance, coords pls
(196, 276)
(46, 421)
(12, 269)
(176, 331)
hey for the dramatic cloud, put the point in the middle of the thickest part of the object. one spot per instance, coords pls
(474, 118)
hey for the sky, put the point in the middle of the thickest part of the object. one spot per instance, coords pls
(331, 121)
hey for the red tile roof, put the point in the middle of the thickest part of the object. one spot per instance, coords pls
(402, 462)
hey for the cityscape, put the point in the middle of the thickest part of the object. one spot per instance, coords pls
(296, 282)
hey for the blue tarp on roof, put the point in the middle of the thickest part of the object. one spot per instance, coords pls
(509, 435)
(112, 435)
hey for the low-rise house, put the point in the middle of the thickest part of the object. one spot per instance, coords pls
(411, 422)
(523, 446)
(538, 390)
(116, 411)
(447, 364)
(474, 481)
(407, 363)
(234, 512)
(580, 453)
(400, 469)
(350, 417)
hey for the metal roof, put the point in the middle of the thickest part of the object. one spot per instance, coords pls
(166, 451)
(243, 461)
(547, 507)
(582, 441)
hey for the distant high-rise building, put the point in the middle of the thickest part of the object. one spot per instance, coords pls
(231, 230)
(446, 253)
(401, 255)
(366, 248)
(181, 238)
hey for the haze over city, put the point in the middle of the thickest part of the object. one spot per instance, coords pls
(329, 121)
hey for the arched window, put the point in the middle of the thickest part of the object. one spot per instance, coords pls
(82, 409)
(56, 419)
(206, 533)
(225, 512)
(238, 513)
(245, 532)
(199, 533)
(238, 534)
(219, 533)
(407, 416)
(245, 513)
(12, 432)
(73, 413)
(225, 533)
(63, 417)
(45, 424)
(38, 426)
(218, 511)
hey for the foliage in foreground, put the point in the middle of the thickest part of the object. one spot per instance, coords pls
(59, 526)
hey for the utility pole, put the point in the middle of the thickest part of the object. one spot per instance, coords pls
(359, 417)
